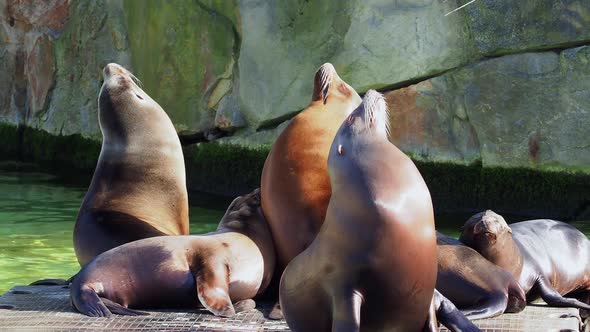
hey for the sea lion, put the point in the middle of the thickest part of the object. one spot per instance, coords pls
(139, 188)
(479, 288)
(295, 184)
(548, 258)
(372, 266)
(233, 264)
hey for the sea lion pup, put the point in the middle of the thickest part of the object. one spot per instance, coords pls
(548, 258)
(373, 264)
(295, 184)
(233, 264)
(139, 188)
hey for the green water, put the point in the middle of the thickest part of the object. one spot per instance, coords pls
(37, 216)
(38, 212)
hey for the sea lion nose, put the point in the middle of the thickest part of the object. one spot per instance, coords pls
(112, 69)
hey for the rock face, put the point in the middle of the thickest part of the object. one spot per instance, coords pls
(184, 57)
(246, 67)
(499, 27)
(372, 45)
(530, 110)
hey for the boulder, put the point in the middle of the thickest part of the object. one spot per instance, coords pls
(500, 27)
(524, 110)
(94, 36)
(184, 57)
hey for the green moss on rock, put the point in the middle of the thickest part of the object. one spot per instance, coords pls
(58, 154)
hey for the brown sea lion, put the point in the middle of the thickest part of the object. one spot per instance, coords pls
(479, 288)
(373, 264)
(139, 188)
(233, 264)
(548, 258)
(295, 183)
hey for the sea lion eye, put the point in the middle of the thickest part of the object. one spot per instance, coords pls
(340, 149)
(138, 96)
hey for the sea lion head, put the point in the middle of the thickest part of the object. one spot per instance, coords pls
(370, 119)
(244, 214)
(484, 230)
(329, 87)
(366, 125)
(125, 110)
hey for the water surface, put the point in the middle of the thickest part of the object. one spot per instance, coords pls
(37, 216)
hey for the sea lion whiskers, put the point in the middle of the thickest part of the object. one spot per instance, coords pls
(376, 114)
(326, 73)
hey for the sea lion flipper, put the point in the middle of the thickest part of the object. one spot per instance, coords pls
(87, 302)
(244, 305)
(493, 306)
(346, 315)
(554, 299)
(431, 324)
(448, 315)
(276, 312)
(50, 282)
(212, 289)
(118, 309)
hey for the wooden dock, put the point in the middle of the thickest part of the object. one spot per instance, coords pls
(48, 308)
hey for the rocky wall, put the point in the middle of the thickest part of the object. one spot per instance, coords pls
(499, 82)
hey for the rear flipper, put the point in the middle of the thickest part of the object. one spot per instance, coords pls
(213, 289)
(86, 301)
(450, 316)
(554, 299)
(50, 282)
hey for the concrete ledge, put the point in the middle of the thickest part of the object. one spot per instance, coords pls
(48, 308)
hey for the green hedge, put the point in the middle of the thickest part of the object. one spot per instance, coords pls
(224, 168)
(59, 154)
(231, 170)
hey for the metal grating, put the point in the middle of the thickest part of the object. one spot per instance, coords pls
(47, 308)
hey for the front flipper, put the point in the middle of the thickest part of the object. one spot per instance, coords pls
(244, 305)
(431, 324)
(212, 288)
(276, 313)
(86, 301)
(450, 316)
(554, 299)
(494, 306)
(346, 312)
